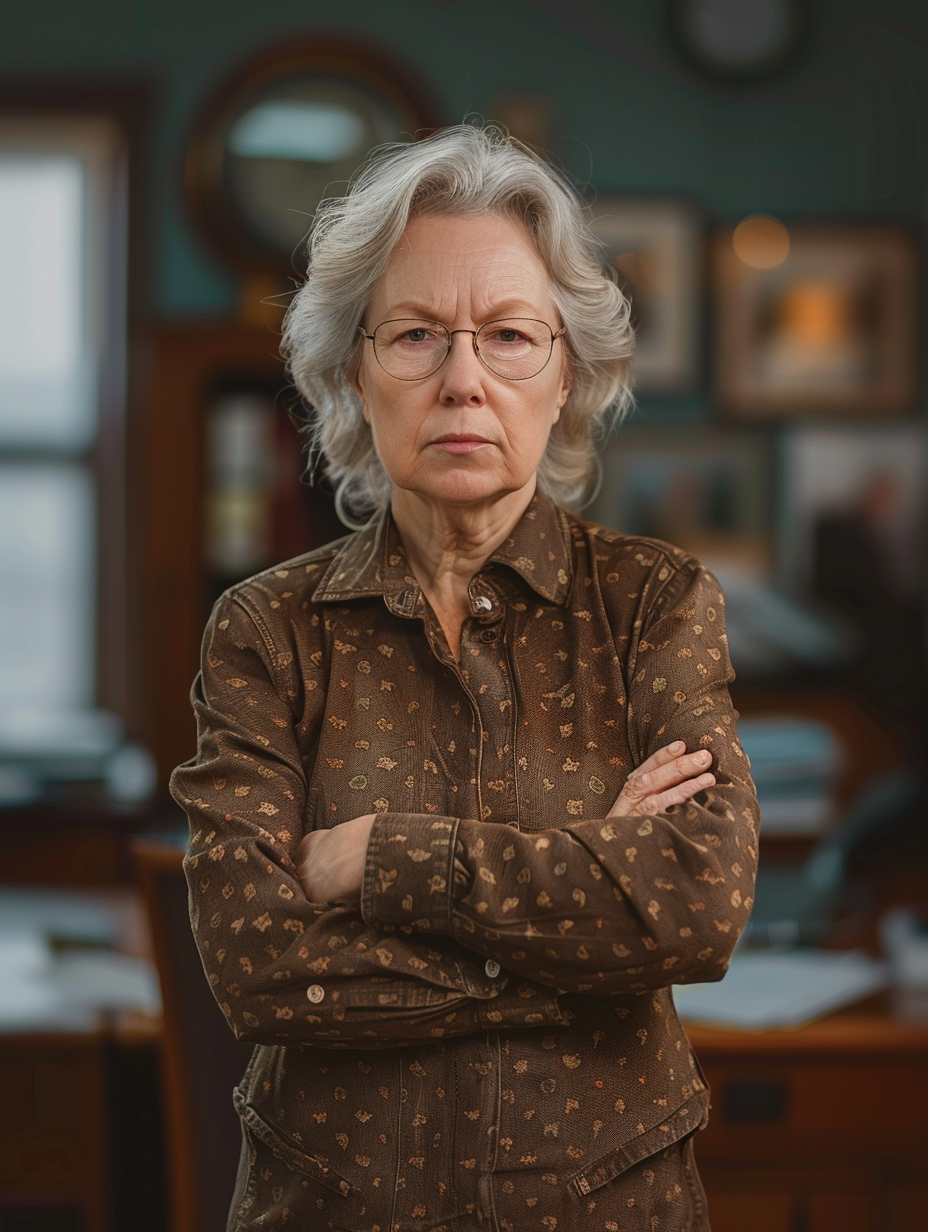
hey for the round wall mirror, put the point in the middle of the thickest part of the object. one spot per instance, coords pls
(286, 131)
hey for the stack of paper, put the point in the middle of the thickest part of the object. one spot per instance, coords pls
(777, 989)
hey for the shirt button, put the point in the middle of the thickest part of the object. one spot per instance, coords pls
(315, 992)
(483, 603)
(488, 635)
(492, 968)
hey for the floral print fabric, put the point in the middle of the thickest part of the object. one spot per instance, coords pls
(488, 1039)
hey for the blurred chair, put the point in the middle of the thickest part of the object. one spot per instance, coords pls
(798, 906)
(201, 1059)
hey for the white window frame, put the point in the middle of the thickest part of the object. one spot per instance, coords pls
(99, 141)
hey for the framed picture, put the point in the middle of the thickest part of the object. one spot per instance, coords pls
(854, 507)
(815, 320)
(705, 490)
(656, 247)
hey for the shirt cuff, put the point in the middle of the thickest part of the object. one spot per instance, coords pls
(409, 872)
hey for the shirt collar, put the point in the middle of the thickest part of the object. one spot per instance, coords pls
(373, 561)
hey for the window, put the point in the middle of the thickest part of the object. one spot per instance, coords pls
(63, 258)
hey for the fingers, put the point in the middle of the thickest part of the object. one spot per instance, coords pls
(657, 802)
(678, 794)
(669, 776)
(668, 753)
(659, 773)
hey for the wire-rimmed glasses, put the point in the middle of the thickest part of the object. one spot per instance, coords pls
(411, 349)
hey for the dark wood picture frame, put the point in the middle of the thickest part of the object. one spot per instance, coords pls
(830, 331)
(655, 244)
(704, 489)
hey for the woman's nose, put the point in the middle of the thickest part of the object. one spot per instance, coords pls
(462, 372)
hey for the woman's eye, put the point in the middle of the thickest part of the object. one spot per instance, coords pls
(415, 335)
(508, 335)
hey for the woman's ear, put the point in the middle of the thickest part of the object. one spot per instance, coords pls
(567, 384)
(354, 380)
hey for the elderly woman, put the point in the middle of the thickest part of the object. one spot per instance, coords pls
(469, 797)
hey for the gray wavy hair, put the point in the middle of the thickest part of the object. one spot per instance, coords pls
(464, 170)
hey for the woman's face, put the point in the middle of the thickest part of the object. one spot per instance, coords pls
(462, 436)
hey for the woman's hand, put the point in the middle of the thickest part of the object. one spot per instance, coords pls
(669, 776)
(330, 863)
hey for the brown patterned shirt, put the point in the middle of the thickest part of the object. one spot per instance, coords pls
(492, 1042)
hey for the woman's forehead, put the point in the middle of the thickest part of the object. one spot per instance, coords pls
(486, 260)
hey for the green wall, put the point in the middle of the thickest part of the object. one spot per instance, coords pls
(843, 133)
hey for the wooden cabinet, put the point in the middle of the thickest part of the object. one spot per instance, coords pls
(52, 1141)
(192, 368)
(824, 1129)
(815, 1200)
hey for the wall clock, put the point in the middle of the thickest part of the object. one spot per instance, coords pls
(739, 40)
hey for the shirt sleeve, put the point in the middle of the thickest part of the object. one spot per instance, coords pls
(284, 969)
(608, 906)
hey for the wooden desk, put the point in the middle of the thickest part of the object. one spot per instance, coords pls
(81, 1134)
(822, 1129)
(53, 1154)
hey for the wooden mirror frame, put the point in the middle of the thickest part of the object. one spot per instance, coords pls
(226, 233)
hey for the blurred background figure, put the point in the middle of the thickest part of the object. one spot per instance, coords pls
(755, 172)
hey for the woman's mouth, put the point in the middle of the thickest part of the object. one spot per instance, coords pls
(460, 442)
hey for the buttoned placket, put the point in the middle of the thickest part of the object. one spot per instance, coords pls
(487, 668)
(485, 676)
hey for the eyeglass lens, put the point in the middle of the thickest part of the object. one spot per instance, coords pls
(514, 348)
